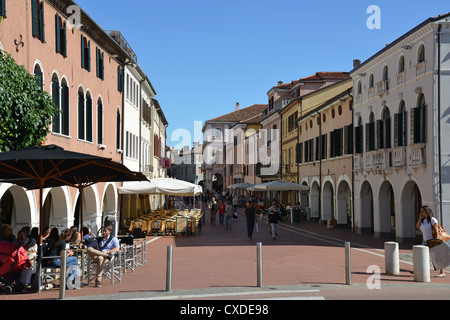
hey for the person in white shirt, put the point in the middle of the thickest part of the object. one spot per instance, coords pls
(427, 223)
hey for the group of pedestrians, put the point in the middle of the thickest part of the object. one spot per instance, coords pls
(228, 211)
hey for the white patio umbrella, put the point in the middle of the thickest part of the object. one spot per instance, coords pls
(167, 186)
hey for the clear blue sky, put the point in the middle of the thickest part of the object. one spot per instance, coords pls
(203, 56)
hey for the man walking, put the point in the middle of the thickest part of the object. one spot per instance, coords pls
(212, 210)
(249, 213)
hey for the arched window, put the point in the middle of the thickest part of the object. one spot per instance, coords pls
(384, 130)
(89, 117)
(418, 121)
(99, 121)
(421, 54)
(56, 128)
(386, 77)
(370, 133)
(81, 114)
(401, 64)
(65, 107)
(39, 76)
(400, 133)
(371, 83)
(359, 88)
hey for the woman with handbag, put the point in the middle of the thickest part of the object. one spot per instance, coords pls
(428, 224)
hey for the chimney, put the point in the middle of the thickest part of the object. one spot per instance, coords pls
(237, 106)
(356, 63)
(280, 83)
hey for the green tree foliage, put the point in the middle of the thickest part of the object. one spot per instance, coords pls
(25, 109)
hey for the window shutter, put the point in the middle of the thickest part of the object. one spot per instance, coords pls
(41, 23)
(98, 62)
(80, 116)
(88, 56)
(58, 34)
(118, 130)
(99, 123)
(35, 18)
(2, 9)
(89, 119)
(324, 146)
(83, 63)
(65, 110)
(103, 66)
(387, 133)
(63, 32)
(423, 126)
(397, 130)
(380, 135)
(367, 137)
(404, 126)
(358, 139)
(298, 152)
(348, 139)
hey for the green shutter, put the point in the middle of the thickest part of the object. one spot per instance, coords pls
(397, 130)
(34, 18)
(88, 56)
(57, 34)
(103, 67)
(380, 135)
(2, 9)
(64, 40)
(41, 23)
(83, 64)
(98, 62)
(81, 115)
(65, 109)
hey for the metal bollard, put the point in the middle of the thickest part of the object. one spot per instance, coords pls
(169, 269)
(63, 275)
(392, 258)
(421, 263)
(259, 270)
(348, 271)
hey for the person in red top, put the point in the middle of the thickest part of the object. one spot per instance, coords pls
(221, 210)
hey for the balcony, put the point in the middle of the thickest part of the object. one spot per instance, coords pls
(399, 155)
(358, 162)
(401, 78)
(382, 161)
(382, 87)
(358, 98)
(420, 68)
(417, 156)
(371, 93)
(368, 161)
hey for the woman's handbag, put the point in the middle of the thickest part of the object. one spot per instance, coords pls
(442, 234)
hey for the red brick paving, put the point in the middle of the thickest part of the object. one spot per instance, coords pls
(219, 258)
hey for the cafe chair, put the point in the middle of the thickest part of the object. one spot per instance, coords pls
(169, 227)
(112, 269)
(155, 228)
(128, 257)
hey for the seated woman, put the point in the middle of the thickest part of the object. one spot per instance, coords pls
(55, 250)
(25, 240)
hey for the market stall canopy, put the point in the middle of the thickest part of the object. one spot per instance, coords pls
(279, 185)
(167, 186)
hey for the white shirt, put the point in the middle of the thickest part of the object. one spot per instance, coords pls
(425, 227)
